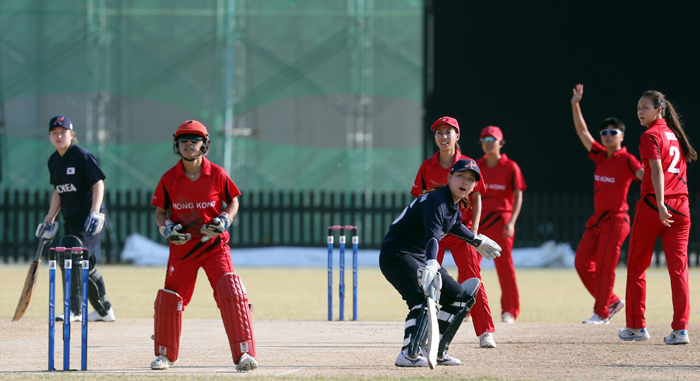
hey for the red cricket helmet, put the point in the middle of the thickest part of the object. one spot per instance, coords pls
(191, 127)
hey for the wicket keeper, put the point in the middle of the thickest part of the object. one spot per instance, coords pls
(190, 213)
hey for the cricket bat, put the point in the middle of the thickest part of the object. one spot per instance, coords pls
(433, 329)
(30, 282)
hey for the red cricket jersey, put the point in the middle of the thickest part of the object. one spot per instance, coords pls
(612, 178)
(659, 142)
(432, 174)
(501, 180)
(195, 203)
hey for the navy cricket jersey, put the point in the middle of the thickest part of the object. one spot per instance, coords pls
(433, 214)
(73, 176)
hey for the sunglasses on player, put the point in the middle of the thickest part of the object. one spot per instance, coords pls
(193, 140)
(610, 132)
(488, 139)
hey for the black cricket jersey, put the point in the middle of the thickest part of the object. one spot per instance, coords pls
(431, 215)
(73, 176)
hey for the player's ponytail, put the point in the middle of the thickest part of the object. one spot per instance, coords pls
(668, 112)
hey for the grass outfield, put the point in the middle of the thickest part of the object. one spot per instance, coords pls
(547, 295)
(294, 341)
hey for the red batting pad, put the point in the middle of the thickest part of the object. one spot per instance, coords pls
(235, 312)
(168, 324)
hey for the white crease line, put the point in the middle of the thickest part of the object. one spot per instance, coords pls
(291, 371)
(224, 370)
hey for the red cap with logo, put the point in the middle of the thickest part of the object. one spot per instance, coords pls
(492, 131)
(445, 120)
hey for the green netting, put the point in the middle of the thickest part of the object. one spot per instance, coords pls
(329, 92)
(322, 169)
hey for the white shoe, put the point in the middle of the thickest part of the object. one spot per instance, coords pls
(405, 360)
(595, 319)
(679, 336)
(616, 307)
(161, 363)
(246, 363)
(95, 316)
(628, 334)
(72, 317)
(486, 340)
(448, 360)
(507, 318)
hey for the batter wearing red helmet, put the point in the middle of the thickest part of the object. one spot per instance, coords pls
(433, 173)
(195, 203)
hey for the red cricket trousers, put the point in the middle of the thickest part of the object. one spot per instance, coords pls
(597, 256)
(468, 263)
(493, 228)
(645, 229)
(181, 274)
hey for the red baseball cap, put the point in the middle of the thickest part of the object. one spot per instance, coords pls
(492, 131)
(445, 120)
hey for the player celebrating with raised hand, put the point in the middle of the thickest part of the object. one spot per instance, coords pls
(500, 210)
(408, 260)
(78, 192)
(433, 173)
(663, 210)
(190, 214)
(599, 250)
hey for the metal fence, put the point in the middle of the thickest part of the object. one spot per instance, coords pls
(299, 219)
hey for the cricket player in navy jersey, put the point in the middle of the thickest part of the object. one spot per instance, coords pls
(78, 192)
(408, 260)
(433, 173)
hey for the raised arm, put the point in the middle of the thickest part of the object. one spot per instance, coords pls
(579, 122)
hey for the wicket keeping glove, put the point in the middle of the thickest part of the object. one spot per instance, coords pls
(94, 223)
(217, 226)
(46, 230)
(172, 233)
(487, 247)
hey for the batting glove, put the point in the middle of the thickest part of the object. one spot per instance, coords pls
(487, 247)
(217, 226)
(46, 230)
(94, 223)
(172, 233)
(427, 274)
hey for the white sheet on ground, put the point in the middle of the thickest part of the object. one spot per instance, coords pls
(140, 250)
